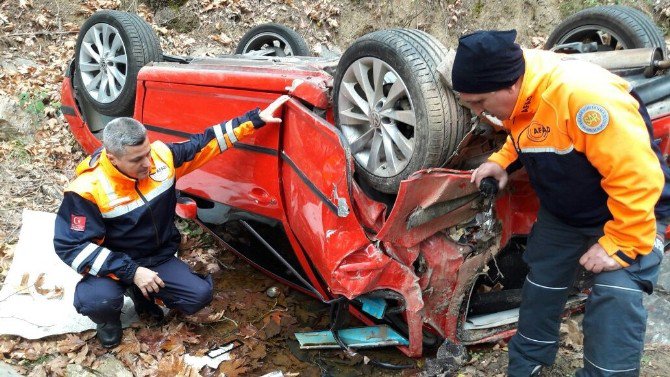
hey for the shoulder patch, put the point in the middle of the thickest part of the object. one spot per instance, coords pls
(592, 119)
(78, 223)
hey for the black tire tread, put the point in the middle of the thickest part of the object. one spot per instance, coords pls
(295, 40)
(425, 66)
(430, 53)
(155, 52)
(655, 34)
(635, 25)
(458, 125)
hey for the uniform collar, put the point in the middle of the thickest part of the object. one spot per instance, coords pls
(115, 174)
(533, 83)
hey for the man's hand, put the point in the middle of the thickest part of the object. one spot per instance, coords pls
(267, 115)
(490, 169)
(147, 281)
(596, 260)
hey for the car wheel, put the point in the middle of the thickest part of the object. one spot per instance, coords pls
(392, 108)
(272, 40)
(612, 27)
(111, 48)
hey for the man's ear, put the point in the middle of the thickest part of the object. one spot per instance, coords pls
(111, 158)
(517, 84)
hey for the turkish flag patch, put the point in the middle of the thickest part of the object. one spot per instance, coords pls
(78, 223)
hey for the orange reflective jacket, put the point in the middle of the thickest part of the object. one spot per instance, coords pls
(580, 135)
(109, 223)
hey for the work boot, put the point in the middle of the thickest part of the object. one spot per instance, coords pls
(109, 334)
(147, 310)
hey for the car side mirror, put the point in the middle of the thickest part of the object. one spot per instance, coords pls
(186, 208)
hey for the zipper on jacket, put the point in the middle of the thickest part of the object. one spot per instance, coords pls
(514, 143)
(151, 212)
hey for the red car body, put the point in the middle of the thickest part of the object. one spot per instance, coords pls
(296, 181)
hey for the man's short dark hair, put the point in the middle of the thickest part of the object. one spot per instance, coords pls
(122, 132)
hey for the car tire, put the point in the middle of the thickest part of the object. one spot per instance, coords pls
(108, 83)
(627, 27)
(419, 129)
(272, 40)
(494, 301)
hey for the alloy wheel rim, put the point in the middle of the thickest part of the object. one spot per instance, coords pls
(103, 63)
(377, 117)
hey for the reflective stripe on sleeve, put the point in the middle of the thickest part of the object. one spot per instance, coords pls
(99, 260)
(230, 132)
(218, 131)
(83, 254)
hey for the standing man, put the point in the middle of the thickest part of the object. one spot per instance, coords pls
(116, 223)
(585, 141)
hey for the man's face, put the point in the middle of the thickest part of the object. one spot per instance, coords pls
(499, 103)
(135, 162)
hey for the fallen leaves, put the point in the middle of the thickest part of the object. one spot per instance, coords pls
(258, 352)
(208, 5)
(275, 321)
(71, 343)
(56, 365)
(174, 365)
(572, 335)
(321, 13)
(25, 4)
(129, 346)
(37, 287)
(51, 293)
(234, 368)
(222, 38)
(7, 345)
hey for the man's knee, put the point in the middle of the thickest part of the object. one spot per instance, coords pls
(100, 308)
(99, 299)
(200, 295)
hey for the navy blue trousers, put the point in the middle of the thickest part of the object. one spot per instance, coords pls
(101, 298)
(615, 319)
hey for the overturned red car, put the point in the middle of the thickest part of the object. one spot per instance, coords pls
(362, 194)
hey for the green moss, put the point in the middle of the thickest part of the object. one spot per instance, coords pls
(478, 8)
(34, 103)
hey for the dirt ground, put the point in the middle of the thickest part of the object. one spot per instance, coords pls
(38, 156)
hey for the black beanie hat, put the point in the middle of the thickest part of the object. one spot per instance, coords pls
(487, 61)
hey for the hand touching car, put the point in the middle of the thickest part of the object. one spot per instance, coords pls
(268, 114)
(490, 169)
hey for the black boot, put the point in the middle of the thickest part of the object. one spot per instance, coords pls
(147, 310)
(109, 334)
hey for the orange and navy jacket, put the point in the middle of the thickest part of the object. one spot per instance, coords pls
(585, 142)
(109, 223)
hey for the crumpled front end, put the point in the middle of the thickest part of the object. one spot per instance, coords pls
(423, 258)
(435, 232)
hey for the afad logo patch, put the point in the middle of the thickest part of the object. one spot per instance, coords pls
(592, 119)
(162, 172)
(78, 223)
(537, 132)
